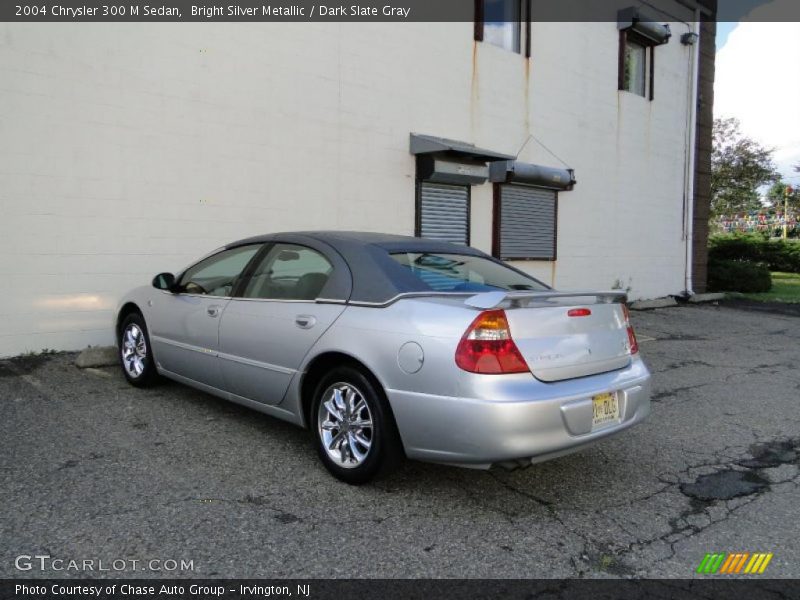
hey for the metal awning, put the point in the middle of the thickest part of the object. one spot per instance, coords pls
(429, 144)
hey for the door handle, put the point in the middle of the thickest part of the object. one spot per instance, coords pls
(213, 311)
(305, 321)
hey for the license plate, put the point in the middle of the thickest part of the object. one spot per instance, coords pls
(606, 409)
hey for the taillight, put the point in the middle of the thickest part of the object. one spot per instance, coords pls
(487, 346)
(633, 345)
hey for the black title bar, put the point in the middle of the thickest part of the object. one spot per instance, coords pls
(389, 589)
(379, 10)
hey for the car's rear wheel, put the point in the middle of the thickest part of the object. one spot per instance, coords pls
(354, 431)
(135, 352)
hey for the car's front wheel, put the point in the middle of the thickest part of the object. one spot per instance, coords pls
(355, 433)
(135, 352)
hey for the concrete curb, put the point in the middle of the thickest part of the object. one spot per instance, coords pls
(698, 298)
(100, 356)
(655, 303)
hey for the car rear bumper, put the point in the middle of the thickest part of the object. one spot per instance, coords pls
(515, 419)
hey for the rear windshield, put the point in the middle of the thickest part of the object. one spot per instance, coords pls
(464, 273)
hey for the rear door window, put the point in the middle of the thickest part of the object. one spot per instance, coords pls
(289, 272)
(442, 272)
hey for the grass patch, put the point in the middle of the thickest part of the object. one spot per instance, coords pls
(785, 288)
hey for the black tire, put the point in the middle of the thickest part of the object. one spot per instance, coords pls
(148, 374)
(385, 451)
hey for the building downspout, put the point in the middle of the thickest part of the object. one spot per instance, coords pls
(691, 139)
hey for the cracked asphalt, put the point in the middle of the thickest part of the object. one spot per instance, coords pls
(91, 468)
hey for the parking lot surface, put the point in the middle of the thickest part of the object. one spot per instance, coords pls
(91, 468)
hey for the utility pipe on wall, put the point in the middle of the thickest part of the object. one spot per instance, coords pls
(689, 173)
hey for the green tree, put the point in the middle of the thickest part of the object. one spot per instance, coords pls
(776, 192)
(739, 167)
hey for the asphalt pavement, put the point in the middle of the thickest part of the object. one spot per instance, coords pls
(93, 469)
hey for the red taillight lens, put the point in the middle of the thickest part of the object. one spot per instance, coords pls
(632, 343)
(487, 346)
(579, 312)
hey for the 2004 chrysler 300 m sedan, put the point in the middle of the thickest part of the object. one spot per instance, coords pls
(389, 346)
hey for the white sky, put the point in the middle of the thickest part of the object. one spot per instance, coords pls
(758, 81)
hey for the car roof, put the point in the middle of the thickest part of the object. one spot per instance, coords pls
(355, 238)
(376, 276)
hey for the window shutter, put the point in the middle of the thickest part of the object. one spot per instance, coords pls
(527, 226)
(444, 212)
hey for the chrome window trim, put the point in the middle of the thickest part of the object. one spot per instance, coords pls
(185, 295)
(404, 295)
(315, 301)
(290, 300)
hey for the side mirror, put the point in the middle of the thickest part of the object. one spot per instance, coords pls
(164, 281)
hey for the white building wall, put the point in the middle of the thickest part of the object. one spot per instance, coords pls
(130, 149)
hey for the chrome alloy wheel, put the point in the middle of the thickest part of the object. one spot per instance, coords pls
(134, 350)
(345, 425)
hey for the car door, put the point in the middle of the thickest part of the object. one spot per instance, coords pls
(276, 318)
(184, 325)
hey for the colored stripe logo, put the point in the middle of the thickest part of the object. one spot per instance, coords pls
(736, 563)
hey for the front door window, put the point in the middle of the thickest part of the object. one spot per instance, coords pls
(217, 274)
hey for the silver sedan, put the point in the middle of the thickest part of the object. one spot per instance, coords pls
(389, 347)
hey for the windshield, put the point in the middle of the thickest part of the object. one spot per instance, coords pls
(464, 273)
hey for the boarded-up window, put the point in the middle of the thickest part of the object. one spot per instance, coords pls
(525, 226)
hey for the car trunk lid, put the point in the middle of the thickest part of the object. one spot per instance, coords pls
(560, 338)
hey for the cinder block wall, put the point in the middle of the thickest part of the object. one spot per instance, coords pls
(130, 149)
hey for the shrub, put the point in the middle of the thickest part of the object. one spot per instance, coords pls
(738, 276)
(777, 255)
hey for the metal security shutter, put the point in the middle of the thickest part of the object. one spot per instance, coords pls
(527, 227)
(444, 212)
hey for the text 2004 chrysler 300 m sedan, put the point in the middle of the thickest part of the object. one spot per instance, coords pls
(389, 346)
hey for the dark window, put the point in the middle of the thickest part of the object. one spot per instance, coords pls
(217, 274)
(442, 272)
(289, 272)
(443, 212)
(525, 222)
(501, 23)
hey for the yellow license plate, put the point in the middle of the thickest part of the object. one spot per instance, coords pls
(606, 409)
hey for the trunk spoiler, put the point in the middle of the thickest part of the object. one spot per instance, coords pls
(487, 300)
